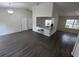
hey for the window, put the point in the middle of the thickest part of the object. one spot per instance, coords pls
(71, 23)
(48, 22)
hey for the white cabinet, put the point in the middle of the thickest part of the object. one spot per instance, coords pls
(43, 9)
(44, 32)
(38, 28)
(47, 32)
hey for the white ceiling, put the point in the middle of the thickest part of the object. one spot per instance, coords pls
(24, 5)
(68, 8)
(64, 8)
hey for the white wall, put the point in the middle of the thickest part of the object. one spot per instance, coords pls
(14, 23)
(43, 10)
(56, 16)
(53, 14)
(30, 20)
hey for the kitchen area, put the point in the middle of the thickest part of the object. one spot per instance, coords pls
(45, 18)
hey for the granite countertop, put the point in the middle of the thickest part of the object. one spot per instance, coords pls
(45, 27)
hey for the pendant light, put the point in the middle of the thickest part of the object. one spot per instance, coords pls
(10, 11)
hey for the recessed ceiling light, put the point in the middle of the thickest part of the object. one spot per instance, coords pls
(10, 11)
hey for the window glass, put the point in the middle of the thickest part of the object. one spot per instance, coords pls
(71, 23)
(76, 24)
(48, 22)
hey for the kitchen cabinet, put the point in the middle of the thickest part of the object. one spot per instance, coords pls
(45, 11)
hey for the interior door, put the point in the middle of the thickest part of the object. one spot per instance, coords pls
(24, 24)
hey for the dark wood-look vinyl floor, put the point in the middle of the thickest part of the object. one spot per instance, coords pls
(31, 44)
